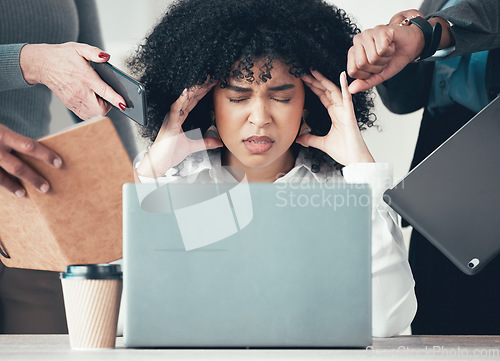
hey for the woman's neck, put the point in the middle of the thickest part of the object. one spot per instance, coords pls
(266, 174)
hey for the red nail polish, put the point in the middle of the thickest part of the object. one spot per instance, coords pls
(104, 55)
(122, 106)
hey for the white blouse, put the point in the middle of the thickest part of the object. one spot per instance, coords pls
(393, 297)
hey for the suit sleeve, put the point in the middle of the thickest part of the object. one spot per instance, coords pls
(475, 25)
(475, 28)
(409, 90)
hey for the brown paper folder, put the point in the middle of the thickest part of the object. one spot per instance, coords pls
(79, 221)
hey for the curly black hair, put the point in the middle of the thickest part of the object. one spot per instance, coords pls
(196, 39)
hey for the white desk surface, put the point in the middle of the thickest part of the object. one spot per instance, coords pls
(56, 347)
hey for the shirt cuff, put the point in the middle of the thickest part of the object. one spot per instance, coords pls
(442, 53)
(379, 176)
(11, 75)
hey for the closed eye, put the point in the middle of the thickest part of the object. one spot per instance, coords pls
(281, 100)
(237, 100)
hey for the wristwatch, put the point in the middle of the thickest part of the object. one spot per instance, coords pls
(432, 35)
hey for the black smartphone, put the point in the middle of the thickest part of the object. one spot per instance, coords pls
(130, 89)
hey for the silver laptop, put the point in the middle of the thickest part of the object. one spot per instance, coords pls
(247, 265)
(453, 196)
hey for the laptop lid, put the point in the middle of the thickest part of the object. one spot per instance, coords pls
(453, 196)
(252, 265)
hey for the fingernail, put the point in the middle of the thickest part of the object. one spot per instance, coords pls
(44, 188)
(20, 193)
(184, 92)
(57, 163)
(104, 55)
(122, 106)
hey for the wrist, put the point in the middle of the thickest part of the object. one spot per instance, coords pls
(447, 38)
(29, 60)
(147, 167)
(366, 159)
(420, 40)
(361, 155)
(431, 34)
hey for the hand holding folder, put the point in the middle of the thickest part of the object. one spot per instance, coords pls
(79, 220)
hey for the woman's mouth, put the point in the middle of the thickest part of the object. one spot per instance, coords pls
(258, 144)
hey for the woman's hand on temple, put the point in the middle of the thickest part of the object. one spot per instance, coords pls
(172, 146)
(343, 142)
(65, 70)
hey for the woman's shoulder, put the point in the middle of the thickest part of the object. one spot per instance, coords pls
(196, 163)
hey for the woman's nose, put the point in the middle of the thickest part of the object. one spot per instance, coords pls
(259, 115)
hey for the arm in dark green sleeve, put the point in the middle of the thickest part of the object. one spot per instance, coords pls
(11, 76)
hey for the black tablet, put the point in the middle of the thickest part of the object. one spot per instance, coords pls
(453, 196)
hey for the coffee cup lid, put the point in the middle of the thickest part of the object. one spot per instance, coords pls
(93, 271)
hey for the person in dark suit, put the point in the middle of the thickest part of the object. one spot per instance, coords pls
(451, 86)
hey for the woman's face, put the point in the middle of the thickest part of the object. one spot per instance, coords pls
(259, 121)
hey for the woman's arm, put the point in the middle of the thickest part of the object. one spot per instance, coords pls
(394, 303)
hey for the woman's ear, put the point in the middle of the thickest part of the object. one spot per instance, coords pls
(304, 128)
(305, 113)
(212, 131)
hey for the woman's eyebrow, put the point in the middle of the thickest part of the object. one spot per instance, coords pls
(282, 87)
(238, 88)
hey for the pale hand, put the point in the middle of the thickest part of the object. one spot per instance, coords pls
(172, 146)
(65, 70)
(343, 142)
(11, 144)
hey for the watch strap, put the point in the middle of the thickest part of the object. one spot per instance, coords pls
(432, 36)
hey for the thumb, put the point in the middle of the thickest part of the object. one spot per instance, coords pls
(309, 140)
(204, 144)
(92, 53)
(212, 143)
(393, 68)
(360, 85)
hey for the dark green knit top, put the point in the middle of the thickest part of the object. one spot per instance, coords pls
(25, 108)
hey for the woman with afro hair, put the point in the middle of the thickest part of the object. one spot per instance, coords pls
(264, 81)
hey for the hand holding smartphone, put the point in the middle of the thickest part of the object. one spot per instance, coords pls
(130, 89)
